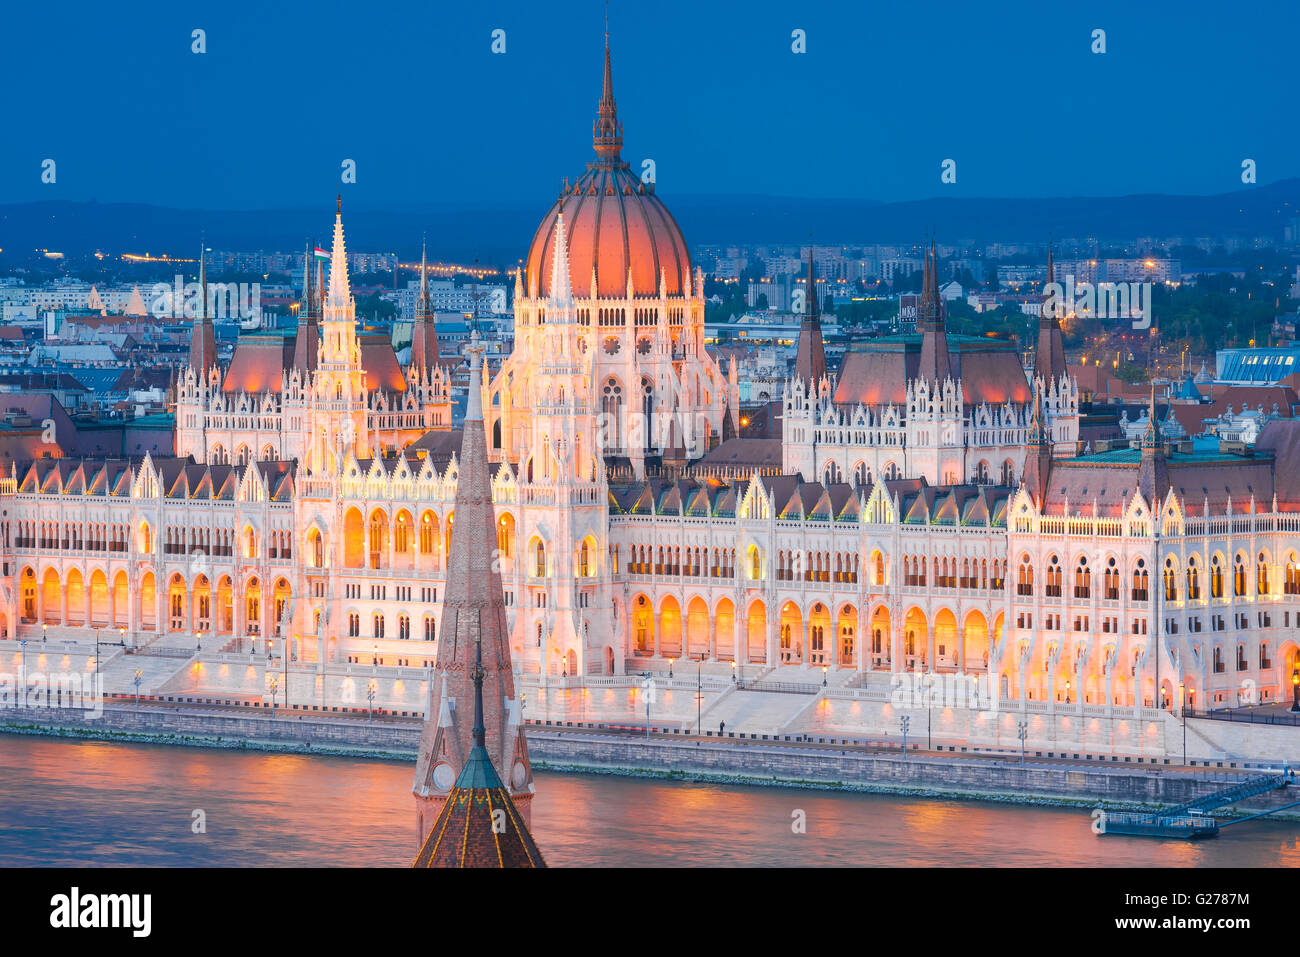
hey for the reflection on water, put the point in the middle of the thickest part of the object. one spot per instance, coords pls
(65, 802)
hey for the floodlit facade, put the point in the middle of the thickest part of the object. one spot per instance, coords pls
(924, 510)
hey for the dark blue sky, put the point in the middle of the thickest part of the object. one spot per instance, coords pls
(710, 90)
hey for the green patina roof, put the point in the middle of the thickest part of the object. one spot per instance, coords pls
(478, 772)
(1132, 456)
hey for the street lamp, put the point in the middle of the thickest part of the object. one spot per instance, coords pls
(1182, 706)
(823, 676)
(733, 672)
(1022, 732)
(370, 695)
(22, 644)
(1295, 688)
(904, 721)
(139, 675)
(1067, 690)
(198, 641)
(670, 666)
(699, 695)
(45, 631)
(275, 686)
(645, 686)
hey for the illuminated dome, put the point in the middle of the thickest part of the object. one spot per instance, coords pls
(613, 221)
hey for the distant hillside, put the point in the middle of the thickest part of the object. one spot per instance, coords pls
(500, 235)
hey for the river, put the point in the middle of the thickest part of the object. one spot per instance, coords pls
(78, 803)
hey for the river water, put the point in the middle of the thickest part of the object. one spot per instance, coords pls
(79, 803)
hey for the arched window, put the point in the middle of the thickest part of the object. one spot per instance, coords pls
(1216, 578)
(1112, 581)
(1082, 579)
(1261, 575)
(1025, 583)
(539, 559)
(1140, 581)
(1193, 579)
(1238, 576)
(1053, 588)
(1171, 581)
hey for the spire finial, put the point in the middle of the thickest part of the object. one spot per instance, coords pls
(480, 732)
(203, 275)
(607, 130)
(339, 201)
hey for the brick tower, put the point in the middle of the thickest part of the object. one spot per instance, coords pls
(473, 612)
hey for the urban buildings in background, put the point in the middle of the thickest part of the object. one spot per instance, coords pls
(765, 496)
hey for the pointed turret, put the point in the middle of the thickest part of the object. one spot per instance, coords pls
(473, 618)
(424, 332)
(1153, 469)
(936, 364)
(1049, 353)
(306, 342)
(1038, 455)
(561, 286)
(340, 295)
(810, 361)
(307, 303)
(203, 341)
(479, 825)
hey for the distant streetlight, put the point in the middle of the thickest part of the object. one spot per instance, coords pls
(1022, 732)
(275, 686)
(139, 675)
(22, 644)
(904, 721)
(370, 695)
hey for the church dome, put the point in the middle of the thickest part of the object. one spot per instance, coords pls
(612, 222)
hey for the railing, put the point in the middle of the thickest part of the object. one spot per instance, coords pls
(1247, 717)
(782, 687)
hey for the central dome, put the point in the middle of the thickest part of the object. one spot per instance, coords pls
(613, 223)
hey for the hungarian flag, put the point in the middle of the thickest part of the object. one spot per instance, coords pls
(318, 253)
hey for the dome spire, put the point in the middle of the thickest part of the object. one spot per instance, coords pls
(607, 131)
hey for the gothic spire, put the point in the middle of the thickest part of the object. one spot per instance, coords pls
(936, 364)
(1049, 350)
(810, 359)
(339, 294)
(561, 287)
(203, 339)
(422, 306)
(474, 632)
(203, 279)
(607, 131)
(306, 281)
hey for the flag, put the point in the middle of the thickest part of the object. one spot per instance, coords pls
(318, 253)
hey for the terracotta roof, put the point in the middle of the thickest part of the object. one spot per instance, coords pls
(615, 226)
(479, 825)
(876, 371)
(1109, 479)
